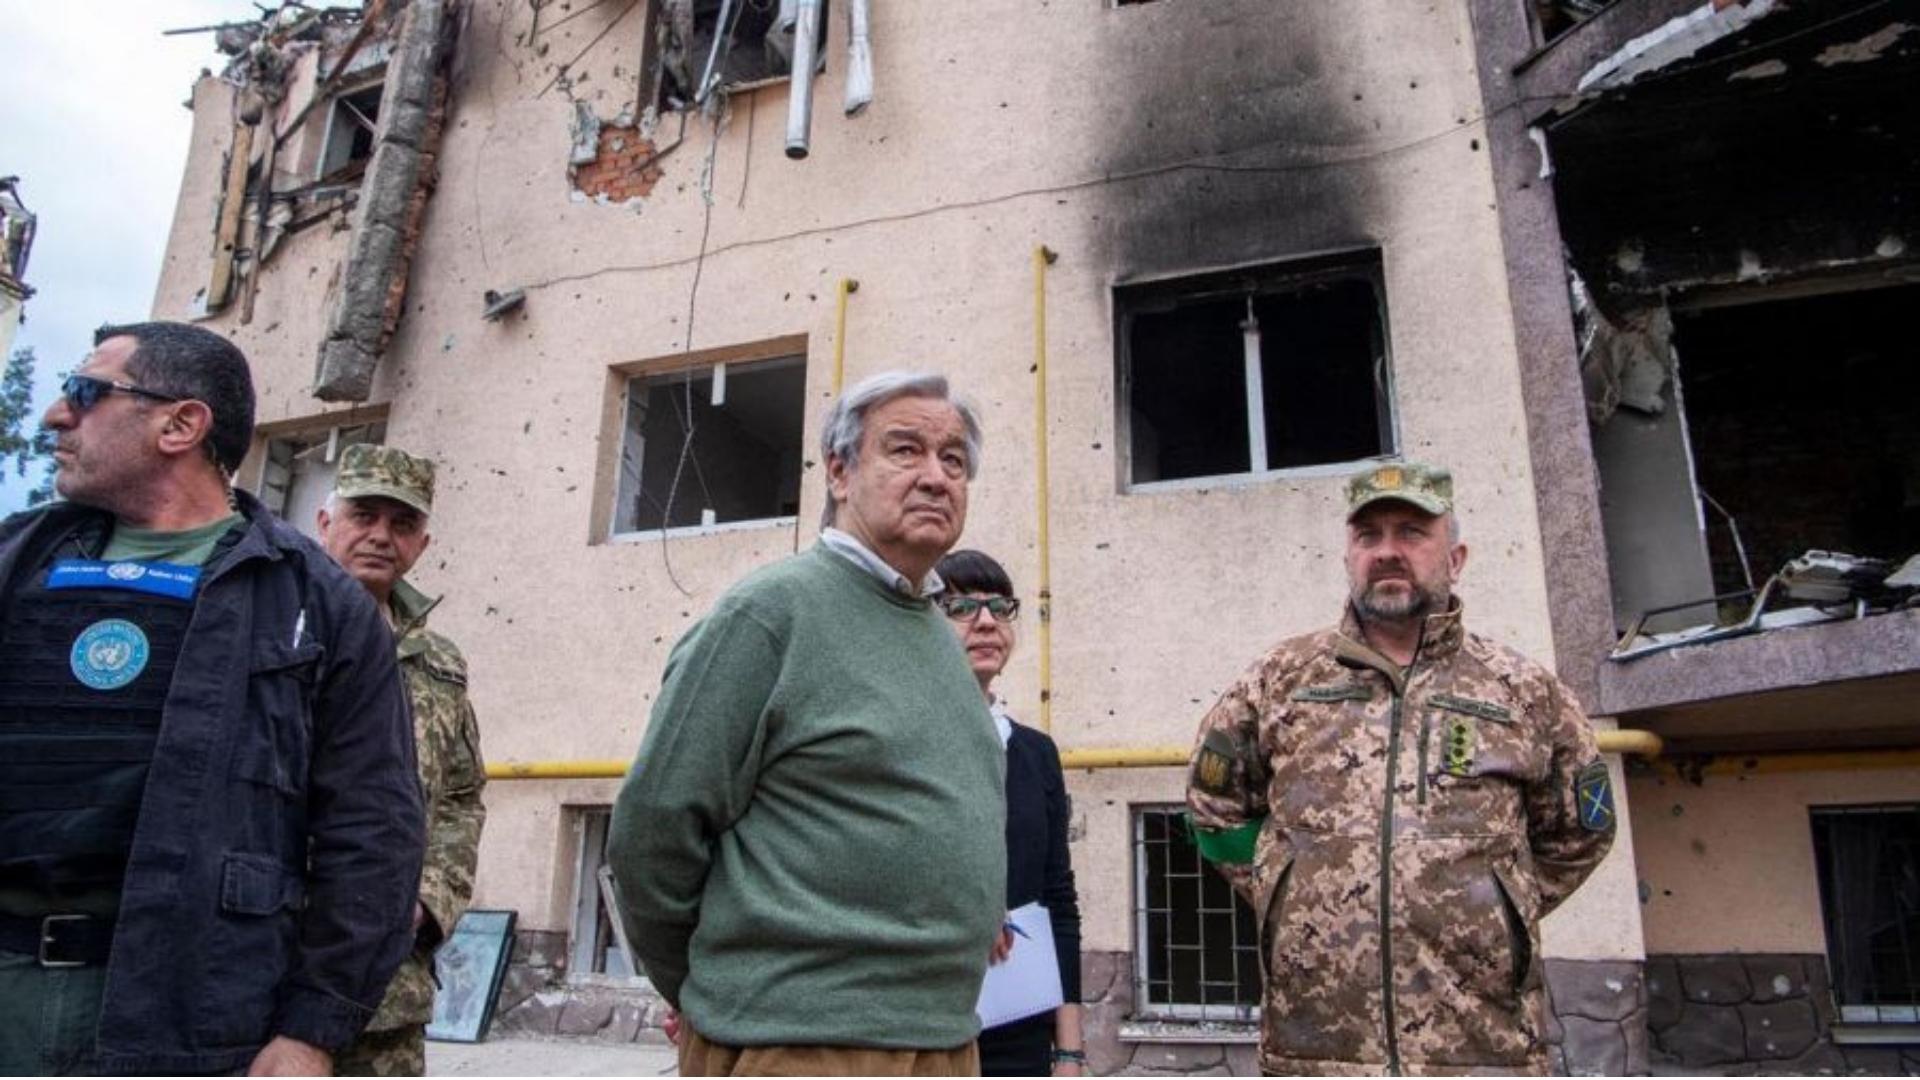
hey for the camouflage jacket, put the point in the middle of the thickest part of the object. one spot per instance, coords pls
(452, 775)
(1400, 834)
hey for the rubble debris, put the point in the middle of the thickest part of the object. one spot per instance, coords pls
(399, 179)
(1828, 586)
(1625, 363)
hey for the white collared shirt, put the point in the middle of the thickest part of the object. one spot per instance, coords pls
(1002, 721)
(843, 544)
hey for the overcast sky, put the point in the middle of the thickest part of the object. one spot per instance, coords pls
(92, 122)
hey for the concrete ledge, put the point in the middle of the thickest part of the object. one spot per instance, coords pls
(1790, 657)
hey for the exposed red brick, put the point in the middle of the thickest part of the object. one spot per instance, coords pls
(626, 171)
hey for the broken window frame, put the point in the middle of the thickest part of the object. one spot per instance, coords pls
(594, 934)
(653, 60)
(622, 475)
(281, 449)
(337, 126)
(1215, 898)
(1265, 278)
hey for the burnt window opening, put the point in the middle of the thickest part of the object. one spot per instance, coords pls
(1752, 429)
(1248, 371)
(1804, 418)
(755, 46)
(1868, 860)
(1552, 18)
(1198, 942)
(351, 121)
(711, 446)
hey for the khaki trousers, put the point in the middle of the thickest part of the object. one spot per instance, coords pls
(699, 1057)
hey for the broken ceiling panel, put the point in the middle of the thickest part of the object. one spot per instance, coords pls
(1786, 148)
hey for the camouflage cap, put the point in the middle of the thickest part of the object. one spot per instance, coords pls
(386, 472)
(1428, 487)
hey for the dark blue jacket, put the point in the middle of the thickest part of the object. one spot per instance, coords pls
(277, 857)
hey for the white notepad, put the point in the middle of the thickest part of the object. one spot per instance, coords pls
(1027, 982)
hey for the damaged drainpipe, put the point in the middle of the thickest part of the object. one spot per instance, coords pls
(806, 37)
(859, 56)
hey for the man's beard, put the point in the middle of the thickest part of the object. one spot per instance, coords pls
(1416, 603)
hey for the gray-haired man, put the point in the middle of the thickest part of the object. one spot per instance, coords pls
(809, 850)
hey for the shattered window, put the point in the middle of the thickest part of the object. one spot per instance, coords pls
(711, 445)
(1199, 942)
(299, 470)
(1869, 867)
(350, 132)
(754, 45)
(1248, 371)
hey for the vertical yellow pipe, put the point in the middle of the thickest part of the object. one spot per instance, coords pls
(847, 285)
(1041, 258)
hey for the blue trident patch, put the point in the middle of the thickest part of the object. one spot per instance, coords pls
(1593, 791)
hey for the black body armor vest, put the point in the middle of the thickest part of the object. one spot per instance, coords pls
(84, 674)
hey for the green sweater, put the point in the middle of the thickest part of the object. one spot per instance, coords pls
(811, 847)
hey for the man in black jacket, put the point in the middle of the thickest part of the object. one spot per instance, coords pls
(210, 824)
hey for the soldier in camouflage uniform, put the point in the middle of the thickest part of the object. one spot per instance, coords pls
(1400, 801)
(376, 526)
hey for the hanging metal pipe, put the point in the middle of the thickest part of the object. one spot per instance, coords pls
(1042, 494)
(806, 40)
(859, 56)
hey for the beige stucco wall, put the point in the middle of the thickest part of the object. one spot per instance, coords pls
(1348, 126)
(1728, 863)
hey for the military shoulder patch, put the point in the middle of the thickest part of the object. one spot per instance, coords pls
(1593, 792)
(1482, 709)
(1213, 764)
(1349, 691)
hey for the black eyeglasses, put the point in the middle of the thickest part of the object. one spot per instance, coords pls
(965, 608)
(83, 392)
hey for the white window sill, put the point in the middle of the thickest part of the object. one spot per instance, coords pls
(685, 532)
(1250, 479)
(1876, 1034)
(1231, 1032)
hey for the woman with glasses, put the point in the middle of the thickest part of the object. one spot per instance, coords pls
(980, 604)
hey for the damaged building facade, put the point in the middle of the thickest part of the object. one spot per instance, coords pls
(1198, 262)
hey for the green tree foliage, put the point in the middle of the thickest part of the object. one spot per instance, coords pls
(23, 444)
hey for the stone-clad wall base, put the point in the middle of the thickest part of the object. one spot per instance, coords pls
(1763, 1014)
(1598, 1025)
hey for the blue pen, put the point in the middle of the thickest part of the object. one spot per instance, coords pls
(1015, 929)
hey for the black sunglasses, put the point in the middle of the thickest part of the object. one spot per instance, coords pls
(83, 392)
(963, 608)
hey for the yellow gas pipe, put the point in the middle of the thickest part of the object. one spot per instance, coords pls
(847, 286)
(1643, 743)
(1041, 259)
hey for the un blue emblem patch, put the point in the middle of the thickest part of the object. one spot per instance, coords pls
(109, 654)
(1593, 791)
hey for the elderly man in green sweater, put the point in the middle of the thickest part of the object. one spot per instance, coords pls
(809, 851)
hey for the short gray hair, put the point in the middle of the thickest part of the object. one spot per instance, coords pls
(846, 423)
